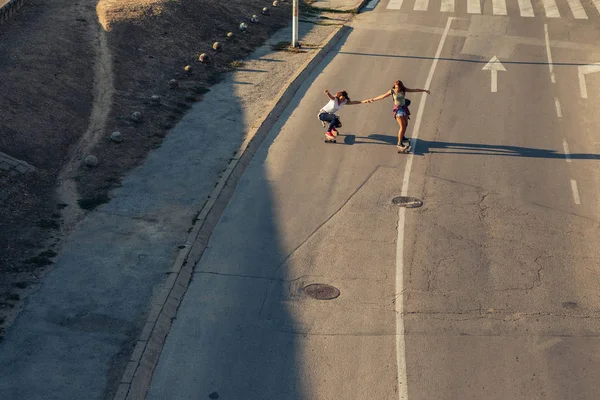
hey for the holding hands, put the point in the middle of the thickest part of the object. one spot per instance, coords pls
(342, 96)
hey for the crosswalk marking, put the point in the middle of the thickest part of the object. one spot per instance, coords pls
(473, 7)
(526, 8)
(499, 7)
(577, 9)
(551, 9)
(421, 5)
(448, 5)
(394, 4)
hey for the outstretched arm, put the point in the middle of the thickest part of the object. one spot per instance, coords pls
(381, 96)
(357, 102)
(331, 97)
(417, 90)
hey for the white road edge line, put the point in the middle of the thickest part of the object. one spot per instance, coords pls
(582, 86)
(400, 344)
(575, 191)
(550, 65)
(567, 153)
(558, 109)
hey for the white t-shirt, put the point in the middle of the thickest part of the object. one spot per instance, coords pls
(332, 106)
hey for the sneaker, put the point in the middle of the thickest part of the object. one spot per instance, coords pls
(334, 131)
(329, 136)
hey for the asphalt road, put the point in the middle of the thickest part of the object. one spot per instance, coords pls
(490, 290)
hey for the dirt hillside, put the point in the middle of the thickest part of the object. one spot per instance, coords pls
(75, 72)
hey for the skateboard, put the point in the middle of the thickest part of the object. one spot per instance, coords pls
(334, 140)
(335, 135)
(337, 125)
(406, 150)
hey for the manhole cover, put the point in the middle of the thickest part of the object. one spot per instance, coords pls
(320, 291)
(408, 202)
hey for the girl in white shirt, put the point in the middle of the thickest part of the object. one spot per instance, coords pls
(327, 113)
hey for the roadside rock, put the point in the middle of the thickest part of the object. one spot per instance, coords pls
(91, 161)
(116, 137)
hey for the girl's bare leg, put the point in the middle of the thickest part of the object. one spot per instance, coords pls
(403, 122)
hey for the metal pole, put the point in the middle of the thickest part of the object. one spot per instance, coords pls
(295, 24)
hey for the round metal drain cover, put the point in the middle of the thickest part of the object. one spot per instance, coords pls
(320, 291)
(408, 202)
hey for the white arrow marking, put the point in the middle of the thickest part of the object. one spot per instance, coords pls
(494, 65)
(583, 70)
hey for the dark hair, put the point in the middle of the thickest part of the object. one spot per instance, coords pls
(400, 86)
(342, 93)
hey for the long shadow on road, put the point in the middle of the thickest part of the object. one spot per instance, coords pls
(225, 340)
(422, 147)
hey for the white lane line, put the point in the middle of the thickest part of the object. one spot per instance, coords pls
(400, 343)
(558, 108)
(394, 5)
(550, 65)
(526, 8)
(371, 4)
(551, 9)
(577, 9)
(448, 6)
(566, 149)
(421, 5)
(575, 191)
(582, 85)
(473, 7)
(499, 7)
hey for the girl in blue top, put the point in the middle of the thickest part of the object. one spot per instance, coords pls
(401, 112)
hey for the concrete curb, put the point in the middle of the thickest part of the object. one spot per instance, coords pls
(137, 377)
(8, 9)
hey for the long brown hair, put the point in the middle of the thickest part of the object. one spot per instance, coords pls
(342, 93)
(400, 86)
